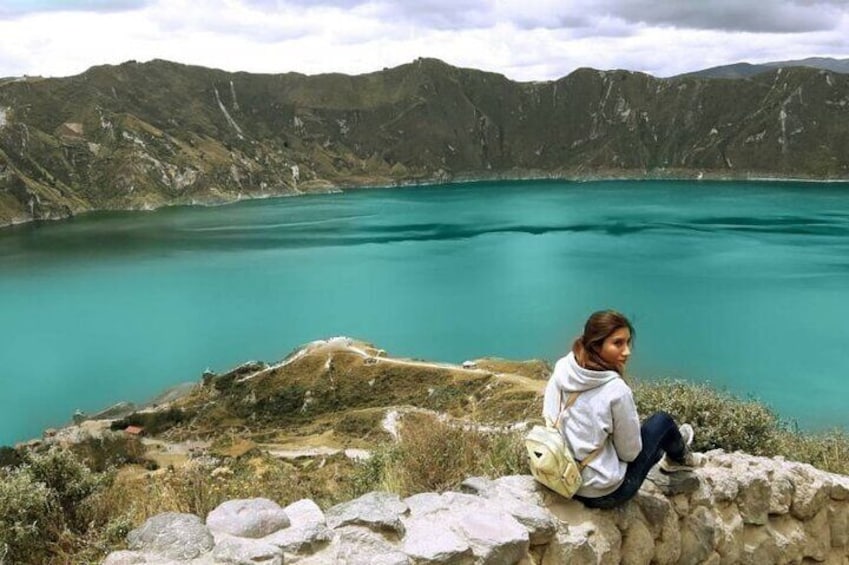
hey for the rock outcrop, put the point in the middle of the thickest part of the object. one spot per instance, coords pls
(736, 509)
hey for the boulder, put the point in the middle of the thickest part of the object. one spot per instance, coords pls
(307, 533)
(174, 536)
(520, 498)
(379, 511)
(248, 518)
(246, 551)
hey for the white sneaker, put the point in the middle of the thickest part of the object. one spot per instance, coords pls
(687, 434)
(690, 459)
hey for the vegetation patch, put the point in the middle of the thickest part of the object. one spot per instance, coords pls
(153, 423)
(113, 450)
(720, 419)
(10, 457)
(724, 421)
(434, 455)
(45, 507)
(533, 369)
(362, 425)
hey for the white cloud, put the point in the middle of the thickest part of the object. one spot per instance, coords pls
(11, 8)
(356, 36)
(771, 16)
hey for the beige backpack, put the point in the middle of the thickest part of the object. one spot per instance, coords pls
(550, 458)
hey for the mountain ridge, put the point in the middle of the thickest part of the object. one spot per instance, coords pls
(744, 69)
(144, 135)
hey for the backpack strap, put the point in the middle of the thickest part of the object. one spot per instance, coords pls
(586, 460)
(563, 408)
(569, 402)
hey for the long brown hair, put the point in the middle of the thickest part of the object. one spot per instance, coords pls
(599, 326)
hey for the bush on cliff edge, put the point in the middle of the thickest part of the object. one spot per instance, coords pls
(726, 422)
(43, 510)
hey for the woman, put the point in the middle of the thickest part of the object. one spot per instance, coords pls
(602, 422)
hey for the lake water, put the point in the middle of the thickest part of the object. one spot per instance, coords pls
(743, 285)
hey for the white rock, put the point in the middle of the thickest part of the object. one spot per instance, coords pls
(248, 518)
(379, 511)
(172, 536)
(495, 537)
(242, 551)
(124, 558)
(514, 497)
(431, 542)
(307, 533)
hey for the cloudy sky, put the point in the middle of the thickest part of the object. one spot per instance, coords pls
(523, 39)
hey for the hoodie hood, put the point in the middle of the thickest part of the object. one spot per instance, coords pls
(571, 377)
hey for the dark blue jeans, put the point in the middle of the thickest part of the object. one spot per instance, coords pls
(660, 435)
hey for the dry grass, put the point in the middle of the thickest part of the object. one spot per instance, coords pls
(436, 455)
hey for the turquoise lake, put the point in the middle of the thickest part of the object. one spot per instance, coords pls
(742, 285)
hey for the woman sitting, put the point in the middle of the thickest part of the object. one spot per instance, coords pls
(601, 423)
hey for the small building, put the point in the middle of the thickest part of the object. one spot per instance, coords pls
(134, 430)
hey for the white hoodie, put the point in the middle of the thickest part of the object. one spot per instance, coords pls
(604, 414)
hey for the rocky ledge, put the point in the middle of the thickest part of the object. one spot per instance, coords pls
(737, 508)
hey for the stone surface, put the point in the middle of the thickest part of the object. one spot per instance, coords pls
(517, 498)
(246, 551)
(495, 537)
(124, 558)
(698, 534)
(838, 521)
(172, 536)
(249, 518)
(308, 531)
(429, 542)
(840, 488)
(637, 545)
(357, 545)
(753, 499)
(379, 511)
(810, 493)
(682, 482)
(735, 509)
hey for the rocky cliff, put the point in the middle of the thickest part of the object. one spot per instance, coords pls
(138, 136)
(735, 509)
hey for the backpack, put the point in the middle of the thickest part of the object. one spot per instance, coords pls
(550, 459)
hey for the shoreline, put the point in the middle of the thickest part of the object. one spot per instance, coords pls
(324, 186)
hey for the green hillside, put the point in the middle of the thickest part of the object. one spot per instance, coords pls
(139, 136)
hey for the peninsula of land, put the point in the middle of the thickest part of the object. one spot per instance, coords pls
(291, 462)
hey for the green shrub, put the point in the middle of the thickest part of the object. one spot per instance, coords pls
(827, 450)
(69, 482)
(283, 404)
(720, 419)
(111, 450)
(373, 472)
(9, 457)
(153, 422)
(29, 517)
(43, 510)
(724, 421)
